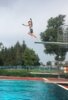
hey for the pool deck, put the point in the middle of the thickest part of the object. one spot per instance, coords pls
(20, 78)
(59, 81)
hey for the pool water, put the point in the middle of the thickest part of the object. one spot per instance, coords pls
(31, 90)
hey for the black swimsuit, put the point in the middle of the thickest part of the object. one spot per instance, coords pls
(31, 30)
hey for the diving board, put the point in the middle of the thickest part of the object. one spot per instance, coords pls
(58, 43)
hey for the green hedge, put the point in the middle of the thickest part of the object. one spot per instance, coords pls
(26, 73)
(14, 72)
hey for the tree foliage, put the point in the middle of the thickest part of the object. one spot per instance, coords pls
(18, 55)
(49, 63)
(51, 34)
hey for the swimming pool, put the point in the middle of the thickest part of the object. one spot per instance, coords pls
(31, 90)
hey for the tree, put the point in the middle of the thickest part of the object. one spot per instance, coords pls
(1, 46)
(24, 46)
(17, 49)
(1, 58)
(30, 58)
(49, 63)
(51, 34)
(18, 55)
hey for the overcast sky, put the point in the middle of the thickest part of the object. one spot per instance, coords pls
(13, 13)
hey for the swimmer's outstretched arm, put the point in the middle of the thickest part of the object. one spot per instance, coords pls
(25, 25)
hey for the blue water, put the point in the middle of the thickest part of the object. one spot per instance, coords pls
(31, 90)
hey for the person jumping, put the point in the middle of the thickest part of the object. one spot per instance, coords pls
(30, 25)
